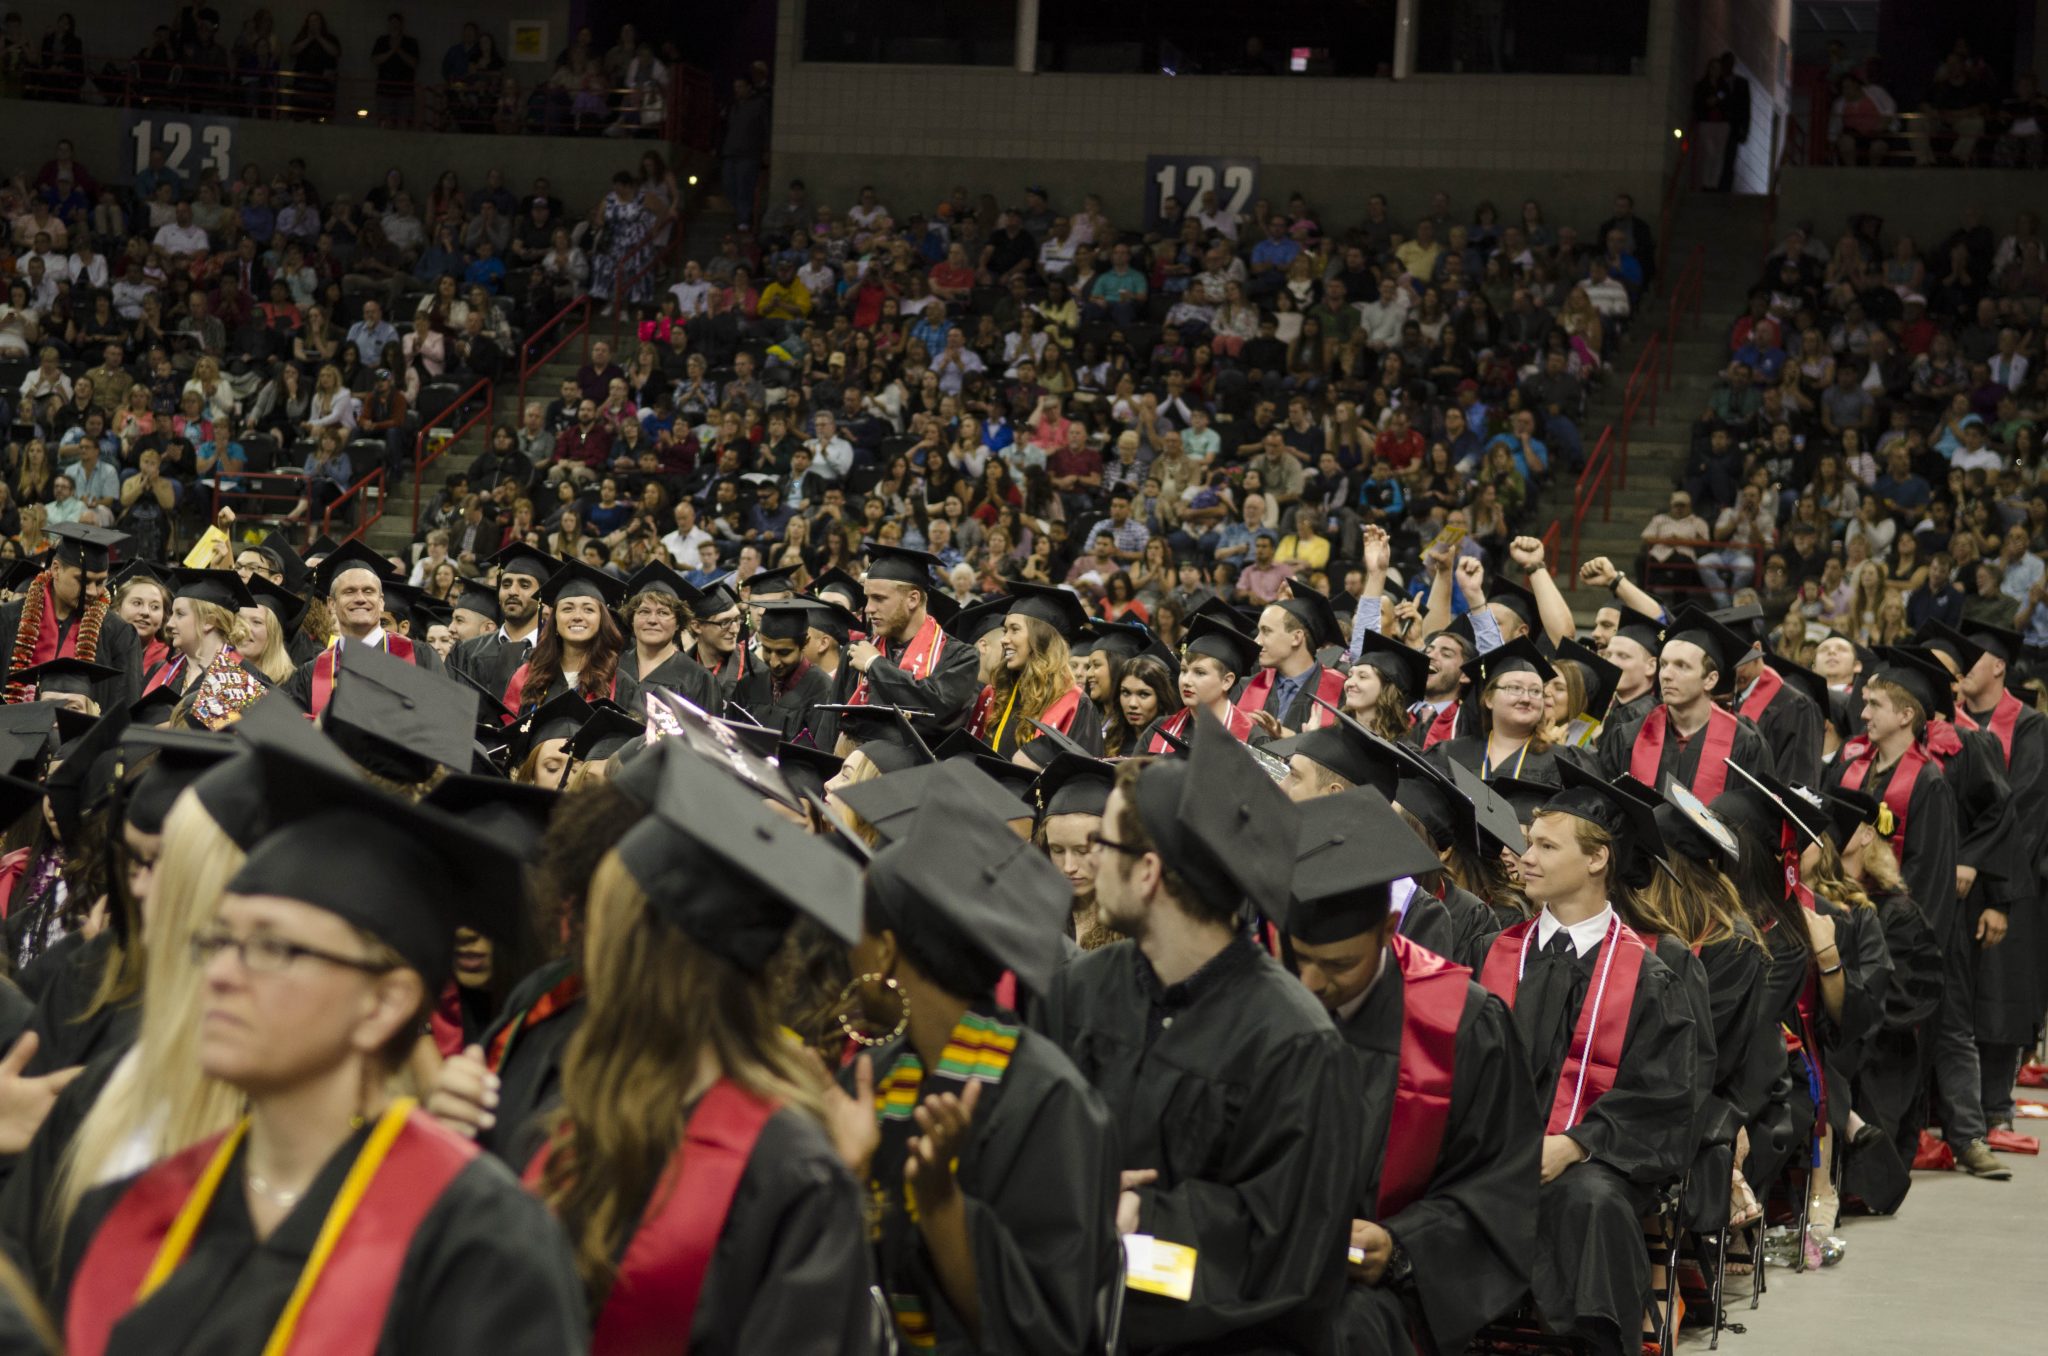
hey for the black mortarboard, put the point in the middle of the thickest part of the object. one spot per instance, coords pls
(511, 813)
(91, 766)
(1724, 648)
(1405, 667)
(1219, 819)
(1049, 745)
(134, 569)
(890, 802)
(1921, 674)
(1348, 749)
(730, 873)
(491, 709)
(1744, 619)
(942, 605)
(402, 601)
(835, 621)
(428, 611)
(608, 728)
(180, 756)
(1647, 632)
(778, 580)
(20, 571)
(577, 580)
(1802, 680)
(296, 575)
(352, 555)
(963, 879)
(1516, 599)
(1602, 677)
(1524, 798)
(1630, 821)
(1850, 810)
(655, 577)
(902, 565)
(1075, 784)
(25, 736)
(85, 545)
(1313, 610)
(715, 599)
(1502, 807)
(1208, 635)
(786, 621)
(840, 584)
(883, 733)
(1083, 643)
(1936, 635)
(807, 769)
(519, 558)
(559, 718)
(287, 606)
(1690, 828)
(320, 547)
(1121, 639)
(222, 588)
(1519, 655)
(474, 597)
(976, 620)
(1016, 778)
(1997, 641)
(407, 875)
(1767, 807)
(1058, 608)
(395, 718)
(1351, 848)
(65, 674)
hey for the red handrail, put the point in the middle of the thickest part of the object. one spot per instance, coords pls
(421, 458)
(1591, 480)
(530, 362)
(289, 491)
(361, 487)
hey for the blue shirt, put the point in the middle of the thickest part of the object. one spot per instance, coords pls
(1110, 283)
(489, 273)
(1279, 253)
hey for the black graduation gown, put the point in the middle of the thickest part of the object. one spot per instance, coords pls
(792, 1272)
(1039, 1174)
(1301, 713)
(946, 694)
(1476, 925)
(1681, 758)
(1866, 979)
(18, 1332)
(119, 648)
(1084, 729)
(300, 684)
(625, 692)
(491, 659)
(682, 675)
(1632, 710)
(65, 1040)
(742, 680)
(1459, 927)
(1532, 766)
(1933, 841)
(17, 1010)
(1232, 1085)
(487, 1273)
(1592, 1271)
(824, 725)
(530, 1078)
(25, 1226)
(789, 711)
(1470, 1236)
(2010, 987)
(1791, 726)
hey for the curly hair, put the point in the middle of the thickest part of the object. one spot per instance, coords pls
(1041, 680)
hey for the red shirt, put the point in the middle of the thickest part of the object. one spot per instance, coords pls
(573, 444)
(1402, 450)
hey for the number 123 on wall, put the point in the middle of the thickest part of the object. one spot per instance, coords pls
(192, 143)
(1185, 178)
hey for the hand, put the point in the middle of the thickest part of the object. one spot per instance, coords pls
(1267, 722)
(1471, 576)
(465, 1095)
(1559, 1153)
(1966, 876)
(1820, 932)
(1377, 551)
(862, 654)
(1527, 552)
(945, 1120)
(24, 1102)
(1407, 613)
(1990, 928)
(1127, 1197)
(1598, 573)
(850, 1118)
(1377, 1245)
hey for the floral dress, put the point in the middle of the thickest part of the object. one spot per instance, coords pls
(629, 244)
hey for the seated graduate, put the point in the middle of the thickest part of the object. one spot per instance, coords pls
(205, 669)
(1283, 695)
(1510, 681)
(1687, 736)
(580, 648)
(1214, 657)
(991, 1159)
(1614, 1056)
(352, 580)
(907, 660)
(1384, 684)
(1577, 699)
(63, 615)
(724, 647)
(1226, 1076)
(655, 609)
(1036, 680)
(691, 1164)
(331, 941)
(794, 686)
(833, 627)
(1072, 793)
(1445, 1216)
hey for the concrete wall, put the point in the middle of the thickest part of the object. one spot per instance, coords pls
(914, 132)
(1925, 204)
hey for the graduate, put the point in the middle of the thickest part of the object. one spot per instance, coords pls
(1444, 713)
(1510, 680)
(907, 659)
(691, 1166)
(657, 604)
(1386, 681)
(1785, 700)
(1446, 815)
(352, 580)
(794, 687)
(724, 648)
(1215, 656)
(1614, 1056)
(1445, 1216)
(206, 670)
(1687, 736)
(492, 657)
(63, 615)
(1231, 1088)
(1633, 649)
(580, 649)
(1036, 685)
(1283, 694)
(833, 626)
(330, 943)
(995, 1164)
(1071, 795)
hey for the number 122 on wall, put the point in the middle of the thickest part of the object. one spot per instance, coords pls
(190, 145)
(1185, 178)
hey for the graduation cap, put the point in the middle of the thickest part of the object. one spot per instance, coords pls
(1074, 784)
(558, 718)
(786, 621)
(655, 577)
(320, 547)
(1919, 673)
(781, 579)
(1782, 822)
(179, 758)
(15, 573)
(406, 874)
(577, 580)
(86, 777)
(902, 565)
(1519, 655)
(835, 621)
(491, 709)
(1602, 676)
(291, 565)
(65, 674)
(608, 728)
(1802, 679)
(838, 583)
(134, 569)
(1016, 778)
(807, 769)
(1690, 828)
(942, 606)
(1937, 637)
(1401, 665)
(1648, 632)
(474, 597)
(289, 607)
(1059, 608)
(222, 588)
(1232, 648)
(1724, 649)
(1500, 808)
(731, 874)
(1350, 850)
(85, 545)
(1745, 619)
(26, 730)
(1630, 820)
(1997, 641)
(714, 600)
(1221, 821)
(890, 802)
(1347, 748)
(395, 718)
(958, 880)
(1313, 610)
(404, 602)
(522, 559)
(1517, 599)
(1848, 811)
(976, 620)
(883, 733)
(513, 814)
(1119, 639)
(352, 555)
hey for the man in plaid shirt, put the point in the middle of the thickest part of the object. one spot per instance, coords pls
(1127, 536)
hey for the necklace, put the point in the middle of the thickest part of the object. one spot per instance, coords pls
(259, 1185)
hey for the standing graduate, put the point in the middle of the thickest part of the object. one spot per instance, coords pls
(1232, 1088)
(655, 610)
(1215, 656)
(1445, 1216)
(1785, 700)
(1687, 736)
(1036, 685)
(331, 941)
(995, 1165)
(794, 687)
(1614, 1057)
(691, 1166)
(1510, 680)
(63, 615)
(580, 649)
(492, 658)
(352, 579)
(907, 659)
(1283, 694)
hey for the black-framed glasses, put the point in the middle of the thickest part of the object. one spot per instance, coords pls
(1098, 842)
(266, 955)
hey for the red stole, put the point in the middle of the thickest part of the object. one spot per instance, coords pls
(2004, 717)
(1594, 1059)
(515, 691)
(1712, 775)
(1443, 726)
(977, 715)
(1329, 685)
(344, 1315)
(1432, 1002)
(1237, 721)
(1769, 683)
(397, 646)
(51, 642)
(918, 659)
(154, 652)
(172, 670)
(562, 995)
(654, 1299)
(445, 1021)
(1857, 754)
(1060, 715)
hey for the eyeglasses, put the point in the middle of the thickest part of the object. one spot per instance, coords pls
(1097, 842)
(1532, 693)
(263, 955)
(731, 623)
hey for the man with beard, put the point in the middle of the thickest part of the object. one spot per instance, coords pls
(1071, 794)
(474, 613)
(832, 626)
(1687, 736)
(1441, 713)
(353, 579)
(493, 656)
(907, 660)
(794, 686)
(62, 616)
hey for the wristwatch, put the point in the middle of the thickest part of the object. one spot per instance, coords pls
(1399, 1269)
(1614, 589)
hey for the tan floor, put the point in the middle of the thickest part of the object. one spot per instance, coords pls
(1958, 1269)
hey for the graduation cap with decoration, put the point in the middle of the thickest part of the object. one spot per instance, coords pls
(84, 545)
(1219, 819)
(1350, 850)
(1401, 665)
(1691, 829)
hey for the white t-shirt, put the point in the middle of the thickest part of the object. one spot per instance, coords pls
(176, 239)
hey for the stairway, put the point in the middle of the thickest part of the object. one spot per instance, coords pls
(1731, 229)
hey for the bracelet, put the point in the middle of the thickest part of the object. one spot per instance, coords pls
(1614, 589)
(1835, 971)
(1829, 947)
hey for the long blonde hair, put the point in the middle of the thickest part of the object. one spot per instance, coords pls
(275, 660)
(160, 1096)
(1828, 880)
(1694, 903)
(658, 1003)
(1046, 675)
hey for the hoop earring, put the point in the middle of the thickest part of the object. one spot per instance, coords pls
(847, 995)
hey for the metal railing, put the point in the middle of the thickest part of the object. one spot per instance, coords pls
(425, 451)
(531, 361)
(360, 491)
(256, 490)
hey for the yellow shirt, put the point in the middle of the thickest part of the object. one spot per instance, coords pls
(1313, 554)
